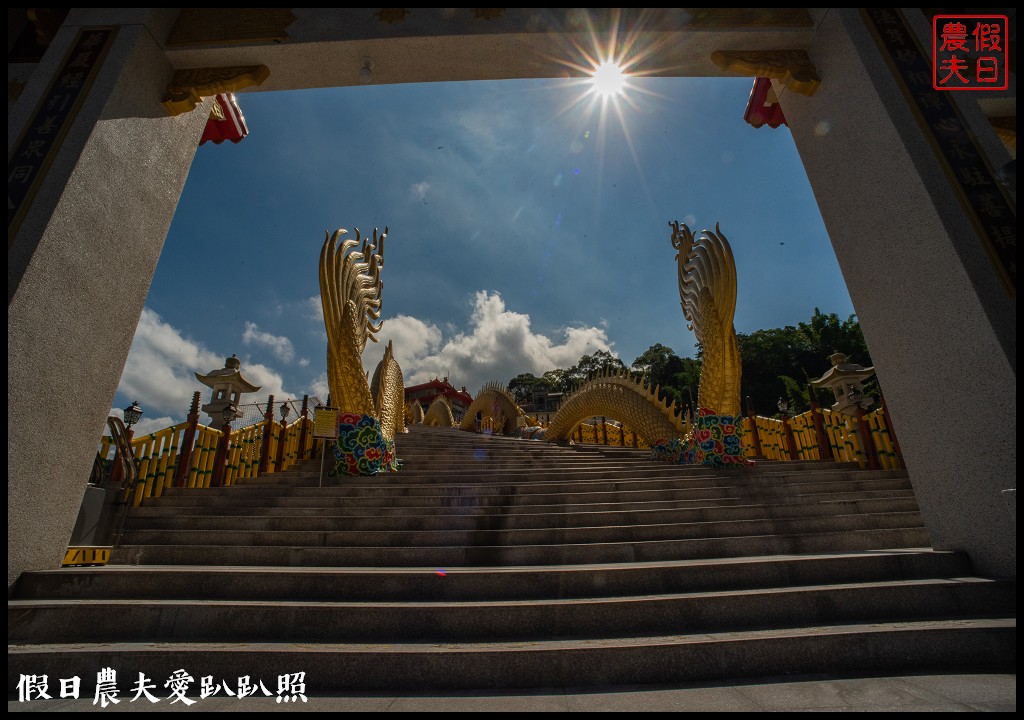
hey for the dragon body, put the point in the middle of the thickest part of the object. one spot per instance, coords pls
(707, 293)
(350, 292)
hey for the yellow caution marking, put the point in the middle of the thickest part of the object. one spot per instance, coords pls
(88, 555)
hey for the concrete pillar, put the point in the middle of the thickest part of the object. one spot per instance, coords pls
(939, 325)
(80, 267)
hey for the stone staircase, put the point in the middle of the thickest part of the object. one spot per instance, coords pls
(499, 563)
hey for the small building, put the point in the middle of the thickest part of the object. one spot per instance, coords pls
(427, 392)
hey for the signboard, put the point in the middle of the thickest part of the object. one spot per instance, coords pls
(54, 115)
(325, 423)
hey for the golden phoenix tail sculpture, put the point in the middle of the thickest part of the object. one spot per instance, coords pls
(350, 291)
(707, 293)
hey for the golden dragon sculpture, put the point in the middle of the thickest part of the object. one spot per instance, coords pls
(618, 394)
(707, 293)
(350, 292)
(439, 414)
(494, 401)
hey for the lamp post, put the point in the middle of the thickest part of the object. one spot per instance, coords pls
(229, 413)
(863, 431)
(790, 440)
(132, 413)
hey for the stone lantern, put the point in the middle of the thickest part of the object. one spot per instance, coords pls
(228, 385)
(846, 381)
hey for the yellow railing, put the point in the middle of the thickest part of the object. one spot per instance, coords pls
(842, 435)
(840, 429)
(244, 458)
(883, 441)
(773, 439)
(106, 447)
(157, 454)
(606, 433)
(805, 437)
(203, 454)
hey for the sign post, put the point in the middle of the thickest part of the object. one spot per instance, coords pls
(325, 425)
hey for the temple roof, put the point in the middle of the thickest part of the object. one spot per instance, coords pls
(842, 371)
(230, 373)
(441, 387)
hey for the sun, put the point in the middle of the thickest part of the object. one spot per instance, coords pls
(608, 80)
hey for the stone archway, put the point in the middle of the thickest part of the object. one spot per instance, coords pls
(914, 258)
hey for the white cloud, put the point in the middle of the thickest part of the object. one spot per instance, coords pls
(499, 345)
(413, 340)
(419, 190)
(270, 382)
(145, 425)
(161, 367)
(280, 346)
(320, 387)
(316, 308)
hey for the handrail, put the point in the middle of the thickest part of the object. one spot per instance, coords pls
(130, 475)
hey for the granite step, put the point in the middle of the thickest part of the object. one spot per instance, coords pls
(486, 583)
(512, 555)
(478, 518)
(981, 644)
(492, 533)
(309, 621)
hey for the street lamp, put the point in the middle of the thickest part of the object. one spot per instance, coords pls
(783, 407)
(229, 413)
(284, 412)
(132, 413)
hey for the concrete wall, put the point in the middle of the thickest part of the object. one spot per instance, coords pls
(941, 332)
(79, 271)
(940, 328)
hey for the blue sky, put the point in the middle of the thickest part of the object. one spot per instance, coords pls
(528, 225)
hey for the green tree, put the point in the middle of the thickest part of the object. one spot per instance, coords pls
(659, 363)
(780, 362)
(678, 377)
(590, 365)
(523, 385)
(558, 380)
(686, 382)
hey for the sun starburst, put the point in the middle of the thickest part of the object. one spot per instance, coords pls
(608, 80)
